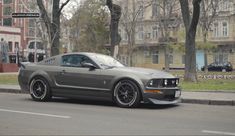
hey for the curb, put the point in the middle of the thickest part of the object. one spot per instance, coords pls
(17, 91)
(208, 102)
(183, 100)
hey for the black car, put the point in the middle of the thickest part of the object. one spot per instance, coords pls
(227, 66)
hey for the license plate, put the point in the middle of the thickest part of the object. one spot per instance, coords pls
(177, 93)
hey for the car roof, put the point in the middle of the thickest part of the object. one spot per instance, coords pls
(80, 53)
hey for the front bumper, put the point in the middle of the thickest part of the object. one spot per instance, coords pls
(163, 97)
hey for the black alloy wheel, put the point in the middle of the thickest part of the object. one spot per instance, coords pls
(127, 94)
(40, 89)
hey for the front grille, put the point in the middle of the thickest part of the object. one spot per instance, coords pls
(159, 83)
(170, 82)
(169, 97)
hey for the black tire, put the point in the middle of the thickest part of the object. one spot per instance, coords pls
(39, 89)
(126, 94)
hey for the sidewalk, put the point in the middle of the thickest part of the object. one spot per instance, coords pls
(208, 98)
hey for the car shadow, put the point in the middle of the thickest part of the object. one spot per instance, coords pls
(105, 103)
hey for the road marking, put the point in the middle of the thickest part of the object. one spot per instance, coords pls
(218, 132)
(34, 113)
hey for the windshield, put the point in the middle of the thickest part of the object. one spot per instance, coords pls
(106, 61)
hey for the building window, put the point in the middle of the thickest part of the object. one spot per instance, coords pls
(154, 32)
(220, 57)
(183, 59)
(10, 46)
(7, 1)
(123, 59)
(32, 22)
(140, 33)
(225, 29)
(170, 57)
(155, 57)
(7, 22)
(7, 10)
(140, 10)
(224, 5)
(31, 32)
(221, 29)
(16, 46)
(154, 8)
(146, 54)
(123, 34)
(216, 30)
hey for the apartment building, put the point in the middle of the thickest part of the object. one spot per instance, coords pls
(158, 28)
(26, 29)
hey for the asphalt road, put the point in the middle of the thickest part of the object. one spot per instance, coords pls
(19, 115)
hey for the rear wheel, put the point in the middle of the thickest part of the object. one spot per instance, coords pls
(40, 89)
(126, 94)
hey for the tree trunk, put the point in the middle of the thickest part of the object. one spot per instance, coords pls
(190, 61)
(191, 29)
(205, 53)
(55, 45)
(115, 12)
(167, 65)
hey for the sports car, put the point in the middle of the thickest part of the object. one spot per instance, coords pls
(96, 76)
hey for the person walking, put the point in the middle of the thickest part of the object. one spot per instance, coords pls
(1, 49)
(4, 51)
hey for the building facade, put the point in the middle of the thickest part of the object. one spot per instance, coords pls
(27, 28)
(158, 33)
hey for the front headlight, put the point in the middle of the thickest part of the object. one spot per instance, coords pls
(154, 83)
(158, 83)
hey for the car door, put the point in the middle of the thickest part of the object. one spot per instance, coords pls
(75, 79)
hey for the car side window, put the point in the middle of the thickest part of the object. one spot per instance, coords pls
(74, 60)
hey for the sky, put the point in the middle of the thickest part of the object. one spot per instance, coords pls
(69, 8)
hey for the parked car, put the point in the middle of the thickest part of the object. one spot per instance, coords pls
(97, 76)
(227, 66)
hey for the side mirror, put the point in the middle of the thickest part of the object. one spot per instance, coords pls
(89, 65)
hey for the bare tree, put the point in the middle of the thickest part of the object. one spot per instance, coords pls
(130, 17)
(208, 13)
(89, 21)
(167, 19)
(52, 24)
(190, 23)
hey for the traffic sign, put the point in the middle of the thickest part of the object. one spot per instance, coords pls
(25, 15)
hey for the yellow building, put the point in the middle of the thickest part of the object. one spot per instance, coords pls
(146, 21)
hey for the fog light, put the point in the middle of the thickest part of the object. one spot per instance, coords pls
(151, 83)
(165, 82)
(177, 82)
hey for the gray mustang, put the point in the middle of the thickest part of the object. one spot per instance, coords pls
(97, 76)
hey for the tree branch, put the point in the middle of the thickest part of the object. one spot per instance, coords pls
(62, 6)
(44, 15)
(196, 14)
(185, 13)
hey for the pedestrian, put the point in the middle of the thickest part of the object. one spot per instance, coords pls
(1, 49)
(4, 51)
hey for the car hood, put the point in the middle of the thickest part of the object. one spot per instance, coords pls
(147, 72)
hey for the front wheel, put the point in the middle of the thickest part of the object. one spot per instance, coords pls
(40, 89)
(126, 94)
